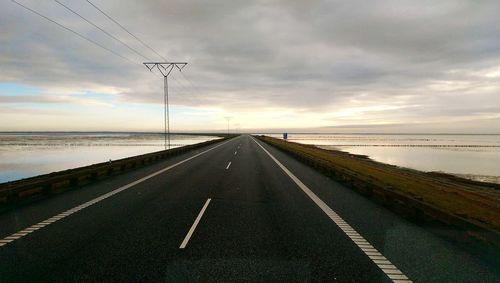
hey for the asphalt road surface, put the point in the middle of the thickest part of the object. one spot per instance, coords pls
(238, 210)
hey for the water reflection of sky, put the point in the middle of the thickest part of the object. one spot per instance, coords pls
(419, 151)
(23, 156)
(435, 159)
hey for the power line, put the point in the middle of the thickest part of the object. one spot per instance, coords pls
(185, 88)
(101, 29)
(88, 39)
(165, 68)
(74, 32)
(117, 23)
(196, 89)
(164, 73)
(107, 33)
(182, 86)
(228, 118)
(191, 84)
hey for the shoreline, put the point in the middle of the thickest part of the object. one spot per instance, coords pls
(25, 156)
(468, 176)
(472, 207)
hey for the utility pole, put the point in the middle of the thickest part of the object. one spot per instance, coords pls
(165, 69)
(228, 118)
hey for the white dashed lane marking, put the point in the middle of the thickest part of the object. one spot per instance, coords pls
(229, 164)
(68, 212)
(193, 227)
(383, 263)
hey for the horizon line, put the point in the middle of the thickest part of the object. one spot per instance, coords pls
(252, 132)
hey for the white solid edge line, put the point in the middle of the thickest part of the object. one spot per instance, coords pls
(53, 219)
(229, 164)
(338, 220)
(193, 227)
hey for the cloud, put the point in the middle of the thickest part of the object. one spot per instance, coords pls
(310, 58)
(68, 99)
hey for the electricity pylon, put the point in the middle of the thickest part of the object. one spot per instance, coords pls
(228, 118)
(165, 69)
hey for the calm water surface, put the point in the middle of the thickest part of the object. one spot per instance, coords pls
(27, 155)
(472, 156)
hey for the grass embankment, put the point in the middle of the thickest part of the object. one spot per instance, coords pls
(18, 192)
(448, 199)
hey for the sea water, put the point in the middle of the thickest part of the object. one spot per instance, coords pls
(472, 156)
(25, 155)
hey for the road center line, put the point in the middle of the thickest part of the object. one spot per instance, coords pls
(387, 267)
(44, 223)
(193, 227)
(228, 165)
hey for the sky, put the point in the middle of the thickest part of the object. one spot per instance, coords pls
(388, 66)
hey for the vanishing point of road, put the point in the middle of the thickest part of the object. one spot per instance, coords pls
(237, 210)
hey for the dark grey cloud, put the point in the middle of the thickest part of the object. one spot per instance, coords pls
(308, 57)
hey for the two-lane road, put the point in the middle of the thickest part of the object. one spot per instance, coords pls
(236, 210)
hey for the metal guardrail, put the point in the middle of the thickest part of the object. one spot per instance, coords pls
(16, 192)
(400, 203)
